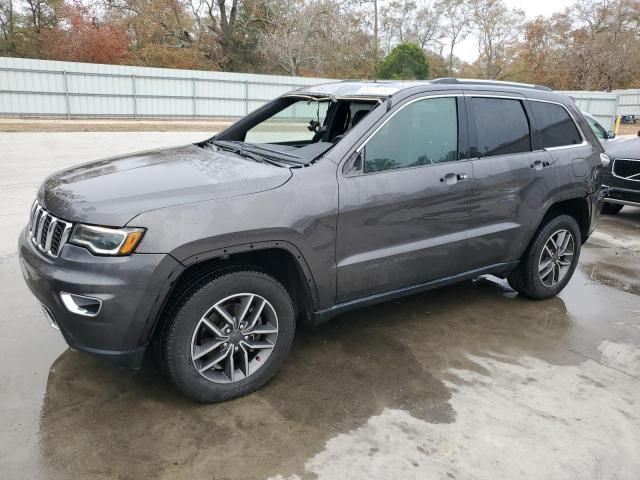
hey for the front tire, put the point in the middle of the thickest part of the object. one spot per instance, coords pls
(611, 208)
(227, 336)
(549, 262)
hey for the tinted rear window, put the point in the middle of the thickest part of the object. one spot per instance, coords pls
(557, 128)
(502, 126)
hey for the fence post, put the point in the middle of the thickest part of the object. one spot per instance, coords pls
(66, 94)
(133, 90)
(246, 97)
(193, 95)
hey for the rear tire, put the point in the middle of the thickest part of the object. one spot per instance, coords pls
(611, 208)
(549, 262)
(234, 317)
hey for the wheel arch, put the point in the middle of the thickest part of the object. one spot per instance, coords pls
(576, 207)
(280, 259)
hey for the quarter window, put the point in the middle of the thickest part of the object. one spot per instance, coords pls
(557, 128)
(502, 127)
(424, 132)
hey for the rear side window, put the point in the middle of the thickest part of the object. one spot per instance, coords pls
(557, 128)
(502, 127)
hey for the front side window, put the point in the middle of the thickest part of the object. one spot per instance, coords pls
(502, 127)
(424, 132)
(556, 126)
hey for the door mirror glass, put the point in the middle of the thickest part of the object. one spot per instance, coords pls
(611, 134)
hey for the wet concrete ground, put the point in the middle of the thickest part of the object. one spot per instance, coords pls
(470, 381)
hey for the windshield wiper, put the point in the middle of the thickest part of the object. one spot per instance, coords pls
(245, 153)
(253, 145)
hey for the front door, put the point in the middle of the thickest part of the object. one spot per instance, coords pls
(403, 211)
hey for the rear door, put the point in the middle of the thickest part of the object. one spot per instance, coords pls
(561, 137)
(404, 200)
(513, 178)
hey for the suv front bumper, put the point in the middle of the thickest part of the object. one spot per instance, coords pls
(622, 191)
(131, 290)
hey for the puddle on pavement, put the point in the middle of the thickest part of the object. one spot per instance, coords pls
(612, 254)
(399, 356)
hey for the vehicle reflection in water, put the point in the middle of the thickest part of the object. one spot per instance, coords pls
(98, 420)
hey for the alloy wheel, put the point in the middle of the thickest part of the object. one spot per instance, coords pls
(556, 258)
(234, 338)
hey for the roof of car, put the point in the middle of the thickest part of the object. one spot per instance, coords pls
(385, 88)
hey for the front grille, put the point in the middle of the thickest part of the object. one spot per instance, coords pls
(627, 169)
(47, 232)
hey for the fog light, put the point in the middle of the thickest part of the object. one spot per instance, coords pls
(81, 304)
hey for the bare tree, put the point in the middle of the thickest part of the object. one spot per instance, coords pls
(605, 43)
(395, 19)
(455, 14)
(427, 29)
(41, 13)
(296, 27)
(7, 20)
(405, 22)
(497, 30)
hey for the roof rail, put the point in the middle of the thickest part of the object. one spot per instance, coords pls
(473, 81)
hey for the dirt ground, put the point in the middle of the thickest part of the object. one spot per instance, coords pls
(13, 125)
(629, 128)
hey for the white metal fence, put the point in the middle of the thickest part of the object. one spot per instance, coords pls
(66, 89)
(628, 101)
(602, 105)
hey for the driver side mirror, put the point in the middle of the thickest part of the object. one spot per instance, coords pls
(611, 134)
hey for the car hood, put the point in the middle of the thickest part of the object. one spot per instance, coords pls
(624, 148)
(113, 191)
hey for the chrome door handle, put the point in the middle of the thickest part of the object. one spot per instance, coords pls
(449, 179)
(453, 178)
(538, 164)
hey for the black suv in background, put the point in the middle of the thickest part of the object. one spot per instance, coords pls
(326, 199)
(622, 178)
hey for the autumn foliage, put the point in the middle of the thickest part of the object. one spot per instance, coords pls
(79, 37)
(590, 45)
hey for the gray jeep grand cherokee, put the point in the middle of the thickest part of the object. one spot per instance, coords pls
(326, 199)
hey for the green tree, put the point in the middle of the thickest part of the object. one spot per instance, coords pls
(405, 62)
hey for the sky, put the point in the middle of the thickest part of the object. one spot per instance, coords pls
(467, 50)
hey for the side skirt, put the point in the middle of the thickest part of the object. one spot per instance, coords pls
(325, 315)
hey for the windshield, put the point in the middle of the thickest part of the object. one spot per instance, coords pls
(295, 129)
(296, 123)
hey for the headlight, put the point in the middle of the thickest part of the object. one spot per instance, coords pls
(605, 160)
(106, 241)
